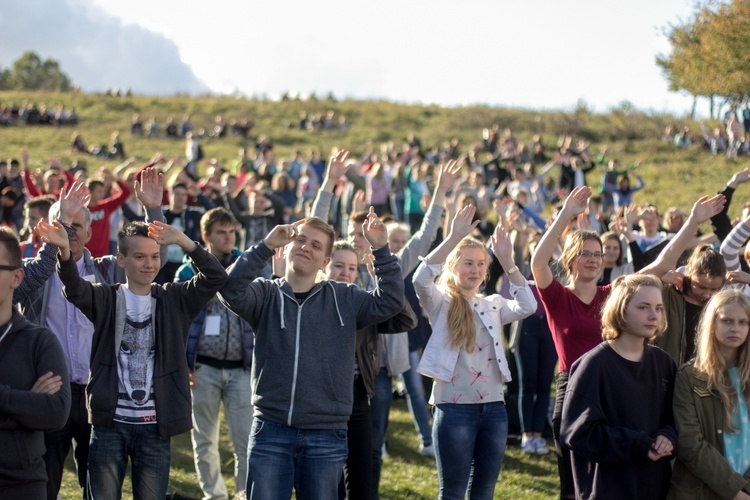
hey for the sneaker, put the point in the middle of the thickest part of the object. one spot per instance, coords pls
(427, 450)
(540, 446)
(384, 452)
(528, 444)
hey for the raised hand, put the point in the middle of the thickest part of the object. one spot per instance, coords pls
(278, 263)
(463, 222)
(673, 278)
(448, 175)
(740, 177)
(150, 188)
(337, 166)
(282, 235)
(53, 234)
(72, 201)
(374, 230)
(577, 201)
(737, 276)
(501, 245)
(358, 202)
(49, 383)
(706, 207)
(164, 234)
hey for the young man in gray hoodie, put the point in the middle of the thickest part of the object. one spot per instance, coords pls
(305, 337)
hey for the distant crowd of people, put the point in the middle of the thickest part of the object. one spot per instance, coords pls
(732, 139)
(295, 290)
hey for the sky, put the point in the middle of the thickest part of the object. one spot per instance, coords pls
(540, 54)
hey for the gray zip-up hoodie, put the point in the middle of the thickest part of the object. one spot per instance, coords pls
(302, 371)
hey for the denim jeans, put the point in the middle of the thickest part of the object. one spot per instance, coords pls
(415, 399)
(108, 458)
(212, 386)
(469, 445)
(536, 358)
(280, 458)
(380, 407)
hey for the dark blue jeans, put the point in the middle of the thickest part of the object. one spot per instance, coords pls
(280, 458)
(108, 458)
(469, 445)
(535, 358)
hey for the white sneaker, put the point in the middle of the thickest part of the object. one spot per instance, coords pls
(540, 446)
(427, 451)
(384, 452)
(528, 444)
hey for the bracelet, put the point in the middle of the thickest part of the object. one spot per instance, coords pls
(512, 270)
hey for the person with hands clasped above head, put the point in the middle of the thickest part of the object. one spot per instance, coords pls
(138, 395)
(302, 370)
(573, 309)
(465, 356)
(617, 416)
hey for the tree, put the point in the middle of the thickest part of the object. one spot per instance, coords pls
(709, 52)
(31, 73)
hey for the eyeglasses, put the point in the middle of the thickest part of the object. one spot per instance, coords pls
(6, 267)
(590, 255)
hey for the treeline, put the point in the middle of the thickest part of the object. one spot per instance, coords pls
(30, 72)
(709, 55)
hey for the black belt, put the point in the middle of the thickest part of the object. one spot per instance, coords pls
(223, 364)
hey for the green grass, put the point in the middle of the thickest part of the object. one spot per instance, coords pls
(406, 474)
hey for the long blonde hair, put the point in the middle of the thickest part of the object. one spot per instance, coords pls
(711, 363)
(461, 325)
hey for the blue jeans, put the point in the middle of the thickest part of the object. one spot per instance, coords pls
(415, 399)
(535, 358)
(380, 407)
(280, 458)
(469, 445)
(212, 386)
(108, 458)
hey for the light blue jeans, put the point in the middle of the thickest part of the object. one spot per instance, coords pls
(415, 398)
(469, 445)
(281, 457)
(212, 387)
(108, 459)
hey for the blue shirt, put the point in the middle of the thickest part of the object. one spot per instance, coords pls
(737, 445)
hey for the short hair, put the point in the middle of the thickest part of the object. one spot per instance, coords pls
(705, 261)
(54, 212)
(129, 230)
(179, 185)
(94, 183)
(218, 215)
(43, 203)
(398, 226)
(358, 218)
(343, 245)
(321, 225)
(9, 241)
(10, 192)
(613, 311)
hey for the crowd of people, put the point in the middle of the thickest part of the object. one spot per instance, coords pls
(31, 113)
(733, 139)
(294, 291)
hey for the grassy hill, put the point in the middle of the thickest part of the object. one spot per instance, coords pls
(672, 176)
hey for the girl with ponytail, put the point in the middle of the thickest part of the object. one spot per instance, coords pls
(465, 355)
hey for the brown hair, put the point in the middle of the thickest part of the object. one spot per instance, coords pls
(705, 261)
(9, 241)
(573, 245)
(321, 225)
(218, 215)
(613, 311)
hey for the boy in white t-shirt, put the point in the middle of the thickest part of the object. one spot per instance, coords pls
(138, 394)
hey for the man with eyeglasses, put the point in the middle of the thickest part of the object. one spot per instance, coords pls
(685, 296)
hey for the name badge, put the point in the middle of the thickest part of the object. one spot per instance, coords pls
(213, 325)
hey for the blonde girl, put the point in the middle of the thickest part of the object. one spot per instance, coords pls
(711, 405)
(465, 356)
